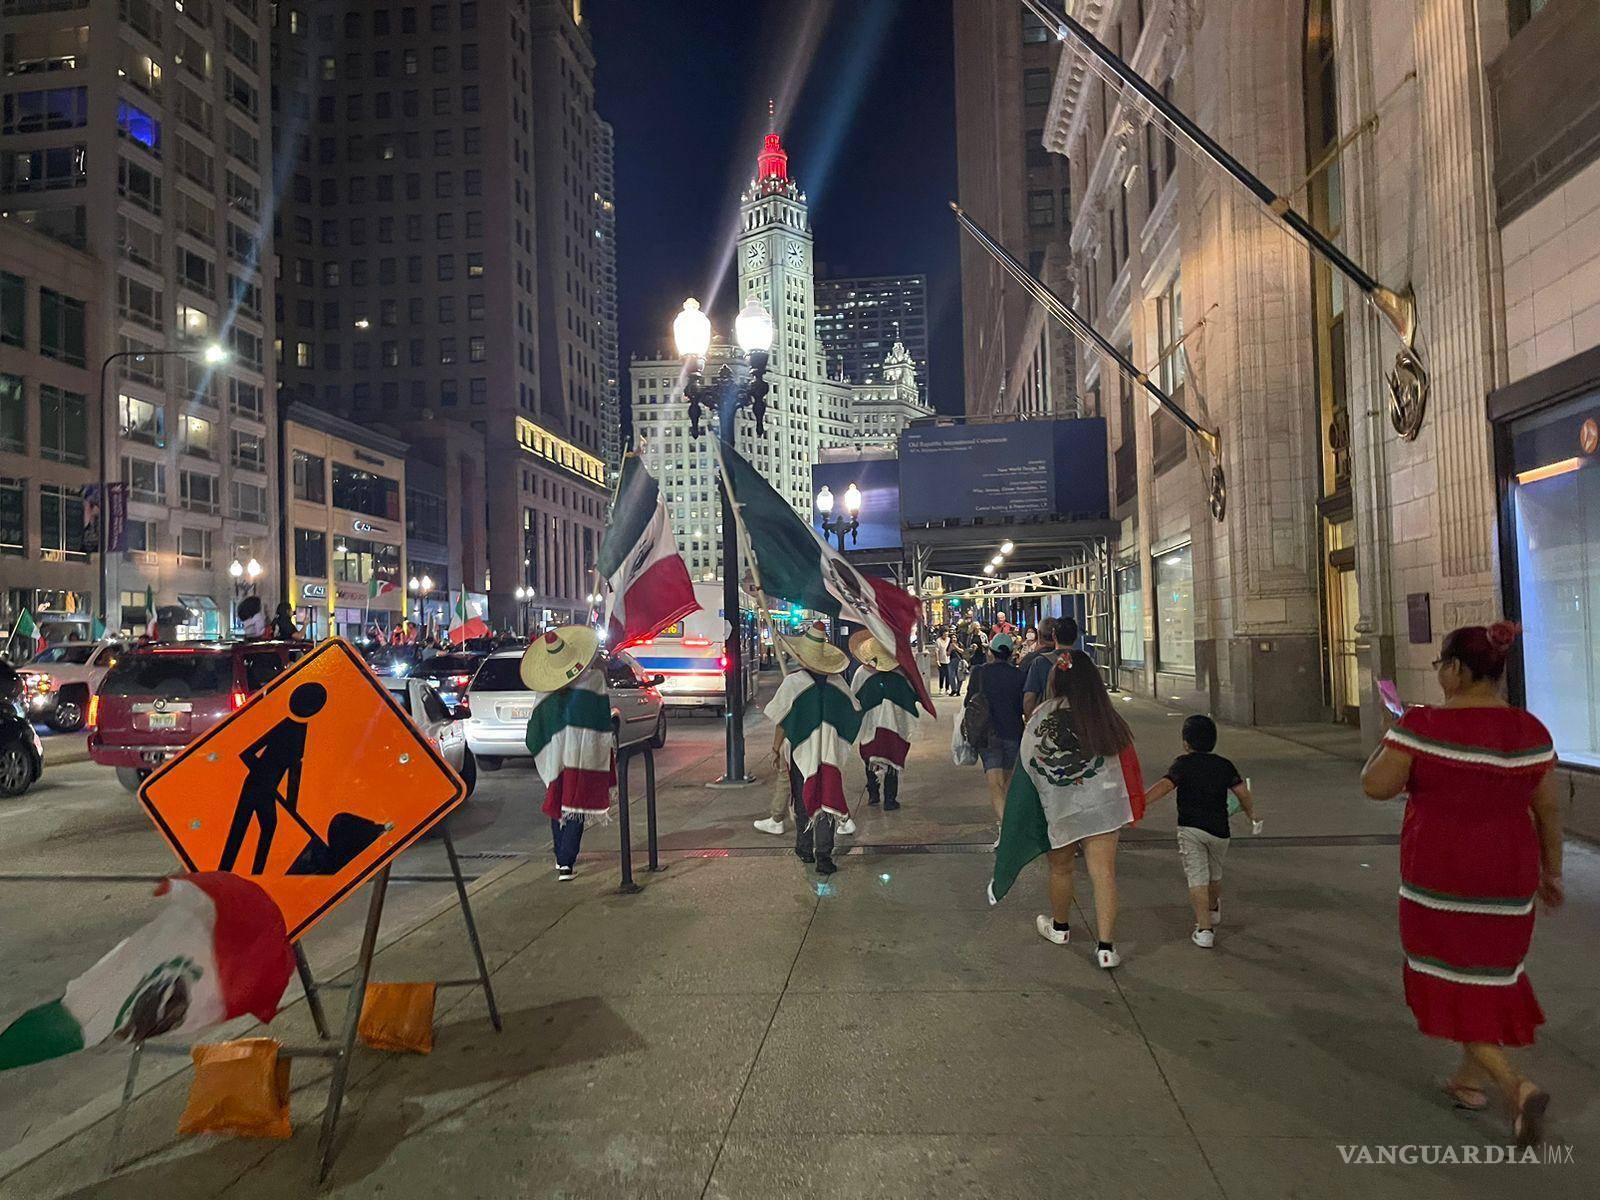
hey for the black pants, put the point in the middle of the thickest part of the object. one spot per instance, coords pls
(890, 785)
(818, 839)
(567, 837)
(944, 677)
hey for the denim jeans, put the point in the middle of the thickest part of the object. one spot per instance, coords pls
(819, 838)
(566, 836)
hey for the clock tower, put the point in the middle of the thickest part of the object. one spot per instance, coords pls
(775, 260)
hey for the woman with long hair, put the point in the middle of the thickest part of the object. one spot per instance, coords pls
(1078, 785)
(1481, 841)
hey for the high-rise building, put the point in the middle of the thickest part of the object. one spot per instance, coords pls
(808, 411)
(859, 320)
(1017, 363)
(136, 133)
(887, 403)
(605, 205)
(437, 259)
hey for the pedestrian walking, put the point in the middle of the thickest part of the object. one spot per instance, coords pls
(992, 720)
(1079, 785)
(1481, 840)
(1203, 780)
(941, 660)
(570, 736)
(816, 720)
(888, 706)
(1036, 667)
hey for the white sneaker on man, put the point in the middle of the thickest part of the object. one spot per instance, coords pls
(1108, 959)
(768, 825)
(1048, 931)
(1203, 938)
(846, 826)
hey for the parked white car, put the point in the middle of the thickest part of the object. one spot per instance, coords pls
(500, 705)
(438, 724)
(56, 685)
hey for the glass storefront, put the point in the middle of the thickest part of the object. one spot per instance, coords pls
(1173, 572)
(1130, 615)
(1554, 499)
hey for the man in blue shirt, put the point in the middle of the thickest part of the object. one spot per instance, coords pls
(1056, 637)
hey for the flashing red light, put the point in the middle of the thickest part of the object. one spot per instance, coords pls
(238, 700)
(723, 662)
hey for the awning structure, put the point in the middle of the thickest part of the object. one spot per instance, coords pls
(202, 604)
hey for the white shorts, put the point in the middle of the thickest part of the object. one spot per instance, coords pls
(1201, 854)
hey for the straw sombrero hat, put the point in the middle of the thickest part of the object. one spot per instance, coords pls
(870, 650)
(816, 653)
(555, 659)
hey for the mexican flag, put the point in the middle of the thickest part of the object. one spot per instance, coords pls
(569, 736)
(217, 950)
(647, 587)
(466, 621)
(820, 719)
(27, 631)
(793, 563)
(150, 611)
(380, 587)
(1060, 794)
(888, 716)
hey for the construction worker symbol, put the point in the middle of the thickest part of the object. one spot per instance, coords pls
(309, 789)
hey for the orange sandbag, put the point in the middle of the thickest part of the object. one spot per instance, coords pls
(398, 1017)
(240, 1089)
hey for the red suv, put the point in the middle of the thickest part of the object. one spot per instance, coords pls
(159, 698)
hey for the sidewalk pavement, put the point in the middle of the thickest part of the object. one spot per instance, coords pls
(745, 1029)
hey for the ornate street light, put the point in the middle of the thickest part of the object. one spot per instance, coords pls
(847, 521)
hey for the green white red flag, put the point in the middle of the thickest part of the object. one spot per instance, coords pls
(646, 585)
(380, 587)
(888, 716)
(820, 720)
(218, 949)
(570, 738)
(27, 632)
(793, 563)
(466, 621)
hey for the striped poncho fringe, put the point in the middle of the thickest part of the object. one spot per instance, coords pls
(820, 721)
(570, 738)
(888, 717)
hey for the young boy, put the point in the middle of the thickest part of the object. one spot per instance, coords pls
(1203, 780)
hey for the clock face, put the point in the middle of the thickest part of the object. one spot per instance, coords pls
(797, 257)
(756, 255)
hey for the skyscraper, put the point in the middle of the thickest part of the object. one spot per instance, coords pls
(860, 319)
(605, 205)
(808, 412)
(438, 263)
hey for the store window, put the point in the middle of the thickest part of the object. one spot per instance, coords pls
(1554, 498)
(1173, 571)
(311, 553)
(355, 490)
(1130, 615)
(310, 477)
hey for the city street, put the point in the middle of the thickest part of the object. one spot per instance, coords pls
(743, 1028)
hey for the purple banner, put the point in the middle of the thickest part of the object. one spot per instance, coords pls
(116, 517)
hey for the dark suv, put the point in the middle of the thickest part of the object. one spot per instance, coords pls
(159, 698)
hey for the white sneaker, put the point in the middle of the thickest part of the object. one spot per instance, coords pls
(1216, 916)
(1108, 959)
(1048, 931)
(563, 874)
(996, 845)
(846, 826)
(768, 825)
(1203, 938)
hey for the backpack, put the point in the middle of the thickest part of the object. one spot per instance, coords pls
(977, 722)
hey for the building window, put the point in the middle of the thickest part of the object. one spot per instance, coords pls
(194, 548)
(355, 490)
(61, 524)
(63, 426)
(197, 491)
(1174, 587)
(147, 481)
(13, 307)
(1033, 30)
(198, 436)
(311, 553)
(1036, 86)
(310, 477)
(1041, 209)
(13, 517)
(249, 451)
(249, 501)
(141, 421)
(62, 322)
(13, 415)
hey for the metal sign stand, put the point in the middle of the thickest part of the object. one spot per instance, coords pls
(624, 825)
(343, 1050)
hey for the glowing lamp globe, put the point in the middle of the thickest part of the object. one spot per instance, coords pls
(691, 330)
(752, 328)
(852, 499)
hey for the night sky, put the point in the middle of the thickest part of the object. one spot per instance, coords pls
(865, 101)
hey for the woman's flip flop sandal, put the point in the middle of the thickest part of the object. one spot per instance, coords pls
(1470, 1099)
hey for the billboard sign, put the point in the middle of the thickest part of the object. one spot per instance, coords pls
(1007, 470)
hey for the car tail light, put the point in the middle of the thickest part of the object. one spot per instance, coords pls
(460, 680)
(238, 700)
(94, 710)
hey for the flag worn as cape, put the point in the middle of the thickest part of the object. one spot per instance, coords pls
(646, 585)
(217, 949)
(569, 736)
(1061, 794)
(820, 720)
(888, 716)
(465, 620)
(793, 563)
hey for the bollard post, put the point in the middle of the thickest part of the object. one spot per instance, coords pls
(650, 806)
(628, 887)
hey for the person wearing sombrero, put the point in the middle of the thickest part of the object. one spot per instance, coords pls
(888, 717)
(570, 736)
(817, 719)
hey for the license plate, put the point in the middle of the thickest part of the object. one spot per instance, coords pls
(516, 712)
(163, 720)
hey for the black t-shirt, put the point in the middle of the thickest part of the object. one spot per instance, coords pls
(1001, 682)
(1203, 781)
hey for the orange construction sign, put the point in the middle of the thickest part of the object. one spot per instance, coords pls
(310, 789)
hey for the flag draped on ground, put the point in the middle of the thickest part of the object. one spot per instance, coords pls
(821, 722)
(888, 716)
(465, 620)
(647, 587)
(793, 563)
(569, 736)
(1060, 794)
(217, 949)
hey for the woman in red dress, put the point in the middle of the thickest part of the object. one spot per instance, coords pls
(1481, 840)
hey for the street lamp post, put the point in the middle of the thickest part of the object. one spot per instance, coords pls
(524, 597)
(847, 521)
(212, 355)
(728, 393)
(419, 589)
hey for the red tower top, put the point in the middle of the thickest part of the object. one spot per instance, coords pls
(773, 162)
